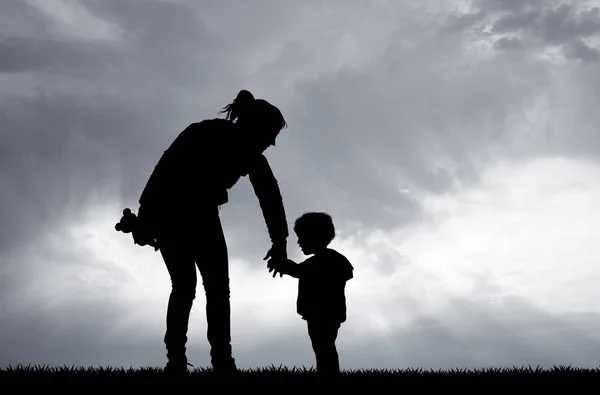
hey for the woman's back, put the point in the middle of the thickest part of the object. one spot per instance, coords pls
(197, 168)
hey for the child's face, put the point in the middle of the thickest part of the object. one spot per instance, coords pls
(308, 245)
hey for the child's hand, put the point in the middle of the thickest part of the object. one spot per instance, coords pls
(276, 266)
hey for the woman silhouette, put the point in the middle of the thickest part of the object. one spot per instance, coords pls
(179, 210)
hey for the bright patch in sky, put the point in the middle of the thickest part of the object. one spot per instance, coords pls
(529, 231)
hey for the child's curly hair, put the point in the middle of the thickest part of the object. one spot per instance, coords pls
(318, 224)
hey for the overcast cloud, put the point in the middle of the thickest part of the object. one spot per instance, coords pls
(455, 144)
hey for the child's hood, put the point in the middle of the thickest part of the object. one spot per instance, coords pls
(343, 265)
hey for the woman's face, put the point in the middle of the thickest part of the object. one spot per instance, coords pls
(267, 139)
(257, 138)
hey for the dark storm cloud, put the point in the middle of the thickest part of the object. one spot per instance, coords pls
(521, 31)
(578, 49)
(463, 21)
(27, 54)
(554, 25)
(407, 122)
(60, 150)
(535, 25)
(18, 19)
(509, 43)
(167, 42)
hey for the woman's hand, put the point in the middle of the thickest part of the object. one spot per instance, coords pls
(142, 232)
(277, 251)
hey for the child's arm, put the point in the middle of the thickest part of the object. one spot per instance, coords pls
(292, 268)
(288, 267)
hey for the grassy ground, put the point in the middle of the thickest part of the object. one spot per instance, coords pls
(284, 379)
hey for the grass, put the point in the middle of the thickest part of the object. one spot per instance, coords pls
(284, 378)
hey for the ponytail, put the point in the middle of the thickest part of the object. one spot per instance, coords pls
(239, 106)
(245, 106)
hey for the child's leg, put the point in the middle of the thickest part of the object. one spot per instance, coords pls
(323, 334)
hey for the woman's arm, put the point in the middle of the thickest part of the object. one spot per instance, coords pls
(269, 197)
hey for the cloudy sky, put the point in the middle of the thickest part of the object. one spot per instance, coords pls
(455, 144)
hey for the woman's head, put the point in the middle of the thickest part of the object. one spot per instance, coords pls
(261, 120)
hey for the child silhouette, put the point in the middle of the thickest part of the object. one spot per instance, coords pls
(321, 286)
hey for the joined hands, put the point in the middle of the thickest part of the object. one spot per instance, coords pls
(277, 266)
(278, 255)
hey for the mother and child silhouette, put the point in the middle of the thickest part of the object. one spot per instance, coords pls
(194, 176)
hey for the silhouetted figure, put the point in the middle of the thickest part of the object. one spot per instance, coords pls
(179, 210)
(321, 286)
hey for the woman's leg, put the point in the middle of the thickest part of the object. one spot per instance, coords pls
(213, 263)
(181, 268)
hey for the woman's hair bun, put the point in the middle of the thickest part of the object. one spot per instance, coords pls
(242, 104)
(244, 96)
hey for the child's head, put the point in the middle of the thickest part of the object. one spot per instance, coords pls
(315, 231)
